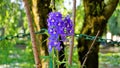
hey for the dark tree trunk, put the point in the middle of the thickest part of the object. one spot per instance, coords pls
(96, 15)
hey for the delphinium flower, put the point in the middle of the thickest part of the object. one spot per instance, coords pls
(58, 29)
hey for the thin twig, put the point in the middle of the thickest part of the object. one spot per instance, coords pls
(33, 37)
(72, 42)
(86, 56)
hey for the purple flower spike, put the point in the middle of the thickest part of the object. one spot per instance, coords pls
(58, 29)
(55, 14)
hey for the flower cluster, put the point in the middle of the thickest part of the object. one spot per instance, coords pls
(59, 29)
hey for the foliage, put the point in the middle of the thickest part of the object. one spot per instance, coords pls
(79, 18)
(12, 22)
(15, 55)
(110, 59)
(114, 22)
(12, 17)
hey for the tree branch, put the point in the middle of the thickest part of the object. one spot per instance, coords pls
(86, 56)
(33, 38)
(109, 8)
(72, 40)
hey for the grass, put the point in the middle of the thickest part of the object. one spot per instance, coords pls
(12, 56)
(109, 60)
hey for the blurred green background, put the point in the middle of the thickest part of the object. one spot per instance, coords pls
(17, 52)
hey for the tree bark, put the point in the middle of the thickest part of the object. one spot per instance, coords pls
(96, 15)
(40, 9)
(33, 37)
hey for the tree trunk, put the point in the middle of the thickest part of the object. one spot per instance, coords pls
(96, 15)
(40, 9)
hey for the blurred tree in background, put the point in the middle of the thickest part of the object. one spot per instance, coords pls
(12, 22)
(114, 22)
(12, 17)
(40, 10)
(97, 14)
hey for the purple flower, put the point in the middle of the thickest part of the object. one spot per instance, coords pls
(63, 37)
(55, 15)
(53, 37)
(52, 31)
(54, 43)
(58, 29)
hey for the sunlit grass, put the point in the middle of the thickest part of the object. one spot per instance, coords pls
(11, 56)
(109, 60)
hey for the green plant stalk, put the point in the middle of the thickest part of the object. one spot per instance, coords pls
(52, 60)
(57, 59)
